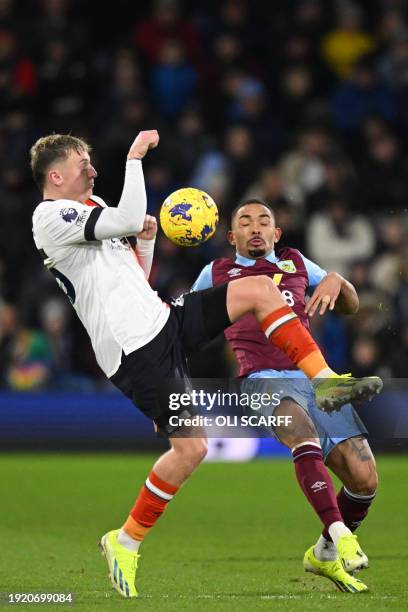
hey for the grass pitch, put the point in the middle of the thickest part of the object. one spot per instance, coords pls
(232, 540)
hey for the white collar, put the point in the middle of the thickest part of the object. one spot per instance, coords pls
(245, 261)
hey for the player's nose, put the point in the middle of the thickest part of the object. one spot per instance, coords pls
(92, 173)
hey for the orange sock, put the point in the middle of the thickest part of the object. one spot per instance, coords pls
(149, 506)
(284, 329)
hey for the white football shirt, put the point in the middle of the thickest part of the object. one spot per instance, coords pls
(102, 278)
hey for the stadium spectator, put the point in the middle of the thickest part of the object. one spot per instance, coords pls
(361, 96)
(234, 18)
(126, 77)
(383, 175)
(250, 107)
(8, 330)
(18, 76)
(393, 65)
(55, 20)
(193, 140)
(173, 80)
(242, 161)
(365, 356)
(386, 273)
(30, 364)
(338, 177)
(54, 318)
(401, 296)
(348, 42)
(296, 92)
(166, 23)
(269, 187)
(399, 355)
(392, 23)
(302, 167)
(337, 236)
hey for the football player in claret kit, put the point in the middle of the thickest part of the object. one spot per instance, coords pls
(315, 437)
(138, 339)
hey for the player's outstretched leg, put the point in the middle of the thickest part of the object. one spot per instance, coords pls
(260, 296)
(120, 547)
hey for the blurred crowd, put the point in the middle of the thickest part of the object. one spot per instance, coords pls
(302, 103)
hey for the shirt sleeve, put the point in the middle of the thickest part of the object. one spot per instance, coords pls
(63, 222)
(314, 272)
(128, 217)
(204, 280)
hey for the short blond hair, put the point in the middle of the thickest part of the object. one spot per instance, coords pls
(50, 149)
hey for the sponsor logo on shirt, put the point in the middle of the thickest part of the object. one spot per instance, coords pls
(234, 272)
(286, 265)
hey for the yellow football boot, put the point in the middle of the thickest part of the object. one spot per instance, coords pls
(334, 571)
(333, 392)
(122, 564)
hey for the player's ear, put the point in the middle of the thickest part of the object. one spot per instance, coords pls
(231, 238)
(278, 234)
(54, 177)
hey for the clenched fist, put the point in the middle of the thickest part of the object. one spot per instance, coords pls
(144, 141)
(149, 228)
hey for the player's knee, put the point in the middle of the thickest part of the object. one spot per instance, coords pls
(200, 450)
(265, 284)
(370, 483)
(193, 451)
(263, 288)
(299, 429)
(365, 482)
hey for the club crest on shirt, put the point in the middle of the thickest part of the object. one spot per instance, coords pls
(69, 214)
(286, 265)
(234, 272)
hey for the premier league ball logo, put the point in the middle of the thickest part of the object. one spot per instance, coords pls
(69, 214)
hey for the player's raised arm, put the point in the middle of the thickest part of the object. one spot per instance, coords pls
(129, 216)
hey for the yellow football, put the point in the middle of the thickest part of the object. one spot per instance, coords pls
(189, 217)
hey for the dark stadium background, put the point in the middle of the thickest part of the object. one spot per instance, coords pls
(301, 103)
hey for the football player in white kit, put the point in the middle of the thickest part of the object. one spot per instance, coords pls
(138, 339)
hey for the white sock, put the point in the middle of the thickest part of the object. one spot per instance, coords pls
(128, 542)
(324, 550)
(325, 373)
(338, 529)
